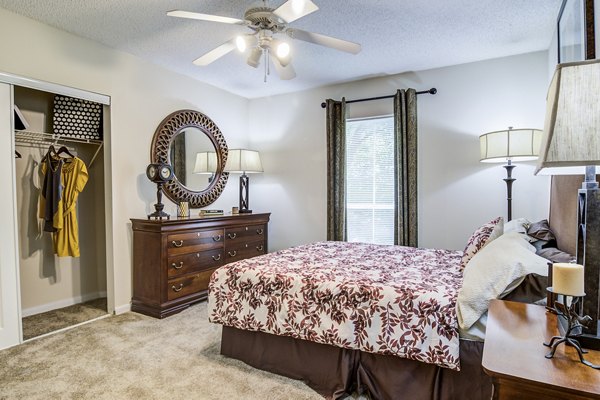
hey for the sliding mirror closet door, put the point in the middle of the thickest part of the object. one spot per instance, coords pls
(9, 280)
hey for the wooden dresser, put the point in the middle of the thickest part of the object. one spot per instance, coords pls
(174, 259)
(513, 355)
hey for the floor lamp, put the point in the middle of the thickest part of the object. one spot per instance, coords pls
(244, 162)
(508, 146)
(571, 145)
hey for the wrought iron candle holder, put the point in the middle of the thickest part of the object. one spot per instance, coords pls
(575, 323)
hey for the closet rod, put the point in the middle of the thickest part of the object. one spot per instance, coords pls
(430, 91)
(31, 137)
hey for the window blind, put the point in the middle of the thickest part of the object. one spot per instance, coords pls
(370, 180)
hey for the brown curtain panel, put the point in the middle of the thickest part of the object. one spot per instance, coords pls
(336, 170)
(405, 126)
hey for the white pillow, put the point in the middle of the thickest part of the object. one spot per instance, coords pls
(491, 270)
(517, 225)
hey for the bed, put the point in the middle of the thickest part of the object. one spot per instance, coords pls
(344, 319)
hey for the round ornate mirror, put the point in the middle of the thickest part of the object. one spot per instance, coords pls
(194, 146)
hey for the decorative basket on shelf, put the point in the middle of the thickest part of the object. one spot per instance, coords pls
(77, 118)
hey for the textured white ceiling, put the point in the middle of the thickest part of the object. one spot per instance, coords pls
(396, 36)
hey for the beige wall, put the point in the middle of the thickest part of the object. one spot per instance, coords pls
(142, 94)
(457, 193)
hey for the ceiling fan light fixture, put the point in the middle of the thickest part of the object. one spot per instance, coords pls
(240, 43)
(254, 57)
(283, 50)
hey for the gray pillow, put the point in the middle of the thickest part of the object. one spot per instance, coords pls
(555, 255)
(541, 231)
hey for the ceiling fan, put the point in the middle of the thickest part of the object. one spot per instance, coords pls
(268, 24)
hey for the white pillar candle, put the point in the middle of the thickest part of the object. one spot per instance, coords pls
(568, 279)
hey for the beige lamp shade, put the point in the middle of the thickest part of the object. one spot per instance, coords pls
(571, 139)
(511, 144)
(206, 163)
(243, 161)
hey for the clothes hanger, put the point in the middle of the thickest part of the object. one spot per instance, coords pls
(64, 149)
(18, 155)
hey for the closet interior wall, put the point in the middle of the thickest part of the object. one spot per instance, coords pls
(47, 281)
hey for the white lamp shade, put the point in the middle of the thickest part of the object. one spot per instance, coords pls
(206, 163)
(243, 161)
(513, 144)
(571, 139)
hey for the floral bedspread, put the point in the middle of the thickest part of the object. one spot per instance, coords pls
(375, 298)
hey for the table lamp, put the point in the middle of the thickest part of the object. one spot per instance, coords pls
(571, 145)
(510, 145)
(244, 162)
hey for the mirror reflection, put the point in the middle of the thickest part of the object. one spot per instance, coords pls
(194, 159)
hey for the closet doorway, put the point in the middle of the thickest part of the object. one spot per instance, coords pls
(56, 291)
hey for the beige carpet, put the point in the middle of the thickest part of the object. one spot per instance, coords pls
(50, 321)
(131, 356)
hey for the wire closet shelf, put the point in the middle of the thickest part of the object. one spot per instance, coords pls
(42, 138)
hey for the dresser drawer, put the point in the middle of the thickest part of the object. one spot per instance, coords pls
(189, 284)
(245, 233)
(193, 262)
(191, 242)
(240, 251)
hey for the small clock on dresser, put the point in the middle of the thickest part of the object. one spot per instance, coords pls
(159, 174)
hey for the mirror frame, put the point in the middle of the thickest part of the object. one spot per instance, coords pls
(173, 124)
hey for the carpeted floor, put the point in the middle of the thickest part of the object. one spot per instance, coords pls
(131, 356)
(39, 324)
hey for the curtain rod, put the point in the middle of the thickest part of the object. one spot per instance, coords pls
(430, 91)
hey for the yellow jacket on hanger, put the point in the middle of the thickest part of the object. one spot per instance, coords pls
(74, 176)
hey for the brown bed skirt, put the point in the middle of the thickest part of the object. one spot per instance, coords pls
(336, 373)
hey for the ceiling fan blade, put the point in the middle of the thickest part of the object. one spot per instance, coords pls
(327, 41)
(215, 53)
(204, 17)
(285, 73)
(292, 10)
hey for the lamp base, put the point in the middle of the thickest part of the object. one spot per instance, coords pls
(245, 211)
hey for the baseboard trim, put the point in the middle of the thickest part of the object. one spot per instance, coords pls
(61, 303)
(122, 309)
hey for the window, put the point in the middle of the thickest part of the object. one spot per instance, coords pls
(370, 180)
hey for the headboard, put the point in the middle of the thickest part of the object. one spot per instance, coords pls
(563, 210)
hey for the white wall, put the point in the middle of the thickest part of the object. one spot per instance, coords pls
(457, 193)
(142, 94)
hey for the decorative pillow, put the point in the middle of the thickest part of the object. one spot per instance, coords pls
(481, 237)
(555, 255)
(490, 271)
(541, 231)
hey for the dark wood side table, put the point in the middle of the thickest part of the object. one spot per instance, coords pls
(513, 356)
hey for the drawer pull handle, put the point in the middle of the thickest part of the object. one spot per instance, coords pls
(260, 248)
(232, 235)
(232, 253)
(217, 258)
(177, 244)
(259, 231)
(177, 289)
(177, 267)
(217, 238)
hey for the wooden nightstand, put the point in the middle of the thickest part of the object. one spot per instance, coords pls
(513, 356)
